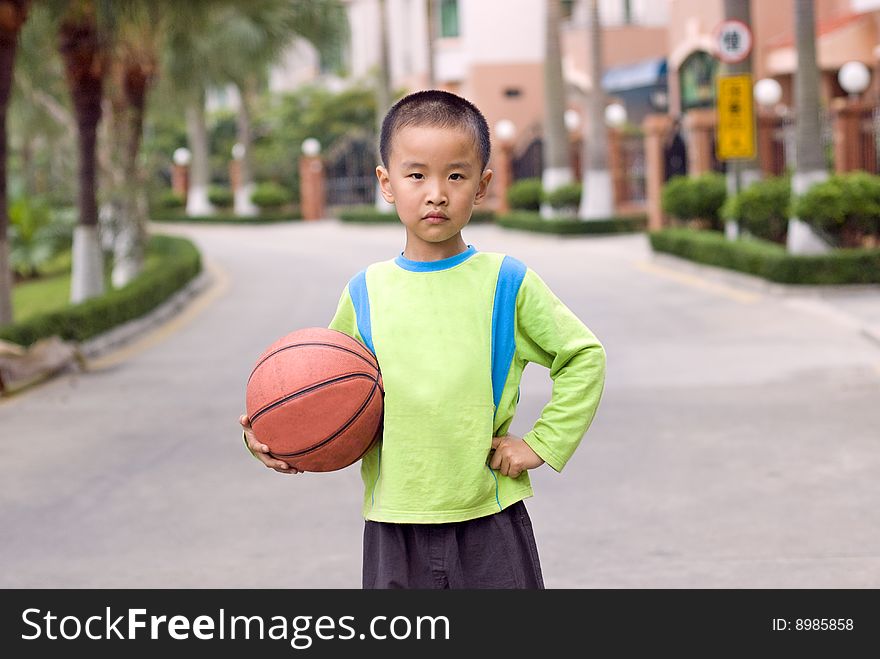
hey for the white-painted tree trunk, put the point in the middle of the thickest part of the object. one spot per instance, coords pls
(242, 201)
(597, 201)
(802, 238)
(552, 178)
(87, 277)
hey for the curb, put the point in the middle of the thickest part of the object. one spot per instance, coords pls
(815, 299)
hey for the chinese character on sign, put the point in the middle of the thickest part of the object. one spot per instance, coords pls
(733, 41)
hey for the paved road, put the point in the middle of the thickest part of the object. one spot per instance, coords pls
(736, 445)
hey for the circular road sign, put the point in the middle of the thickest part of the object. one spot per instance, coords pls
(733, 40)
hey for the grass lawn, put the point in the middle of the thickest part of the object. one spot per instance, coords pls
(51, 291)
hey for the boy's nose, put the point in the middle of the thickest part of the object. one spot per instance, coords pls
(437, 195)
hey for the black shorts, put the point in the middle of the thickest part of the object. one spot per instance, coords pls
(496, 551)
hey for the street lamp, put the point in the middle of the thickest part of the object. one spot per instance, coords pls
(238, 151)
(311, 147)
(854, 77)
(768, 92)
(615, 115)
(181, 156)
(505, 130)
(572, 120)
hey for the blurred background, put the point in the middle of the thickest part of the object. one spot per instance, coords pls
(698, 179)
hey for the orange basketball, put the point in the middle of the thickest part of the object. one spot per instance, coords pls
(315, 398)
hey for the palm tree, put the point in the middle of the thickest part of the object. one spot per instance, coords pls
(383, 96)
(557, 167)
(596, 199)
(134, 66)
(810, 161)
(13, 14)
(259, 32)
(83, 47)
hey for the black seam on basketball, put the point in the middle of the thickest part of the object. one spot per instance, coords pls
(302, 392)
(315, 447)
(373, 363)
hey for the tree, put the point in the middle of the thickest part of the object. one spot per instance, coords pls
(259, 32)
(383, 96)
(557, 167)
(596, 200)
(810, 161)
(13, 14)
(83, 48)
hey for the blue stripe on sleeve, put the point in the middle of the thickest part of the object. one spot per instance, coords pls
(357, 289)
(510, 278)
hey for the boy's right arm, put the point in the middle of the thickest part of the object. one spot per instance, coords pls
(344, 320)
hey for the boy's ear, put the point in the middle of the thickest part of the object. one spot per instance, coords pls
(385, 184)
(483, 188)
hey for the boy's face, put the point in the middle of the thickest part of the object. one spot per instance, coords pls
(434, 178)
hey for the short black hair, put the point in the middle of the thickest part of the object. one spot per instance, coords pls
(435, 107)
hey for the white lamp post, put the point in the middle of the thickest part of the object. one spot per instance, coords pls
(238, 151)
(311, 147)
(854, 77)
(505, 130)
(182, 156)
(572, 120)
(615, 115)
(768, 92)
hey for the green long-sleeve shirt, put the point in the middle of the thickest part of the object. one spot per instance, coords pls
(452, 338)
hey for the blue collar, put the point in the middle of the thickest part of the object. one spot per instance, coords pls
(434, 266)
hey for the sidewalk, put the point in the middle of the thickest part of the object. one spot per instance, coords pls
(856, 306)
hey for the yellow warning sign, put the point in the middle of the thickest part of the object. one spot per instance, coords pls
(735, 132)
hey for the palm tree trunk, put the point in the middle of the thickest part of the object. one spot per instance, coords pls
(12, 18)
(596, 198)
(383, 96)
(431, 23)
(557, 167)
(131, 240)
(809, 161)
(84, 62)
(197, 202)
(243, 205)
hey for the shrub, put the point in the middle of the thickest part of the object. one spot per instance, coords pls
(266, 216)
(532, 221)
(179, 261)
(220, 196)
(270, 195)
(762, 208)
(37, 234)
(369, 214)
(844, 208)
(525, 194)
(170, 199)
(565, 197)
(769, 260)
(699, 198)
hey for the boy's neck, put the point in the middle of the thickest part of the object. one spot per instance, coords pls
(425, 251)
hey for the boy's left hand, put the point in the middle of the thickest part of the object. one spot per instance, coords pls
(513, 456)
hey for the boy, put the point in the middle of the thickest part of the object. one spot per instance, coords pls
(452, 329)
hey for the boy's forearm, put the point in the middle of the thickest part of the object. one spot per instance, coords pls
(578, 384)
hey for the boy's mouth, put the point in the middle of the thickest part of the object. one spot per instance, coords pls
(435, 218)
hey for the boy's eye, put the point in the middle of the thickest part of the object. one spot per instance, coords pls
(456, 177)
(416, 176)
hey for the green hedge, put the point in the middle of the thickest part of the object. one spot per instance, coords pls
(179, 261)
(264, 217)
(769, 260)
(695, 197)
(527, 221)
(369, 215)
